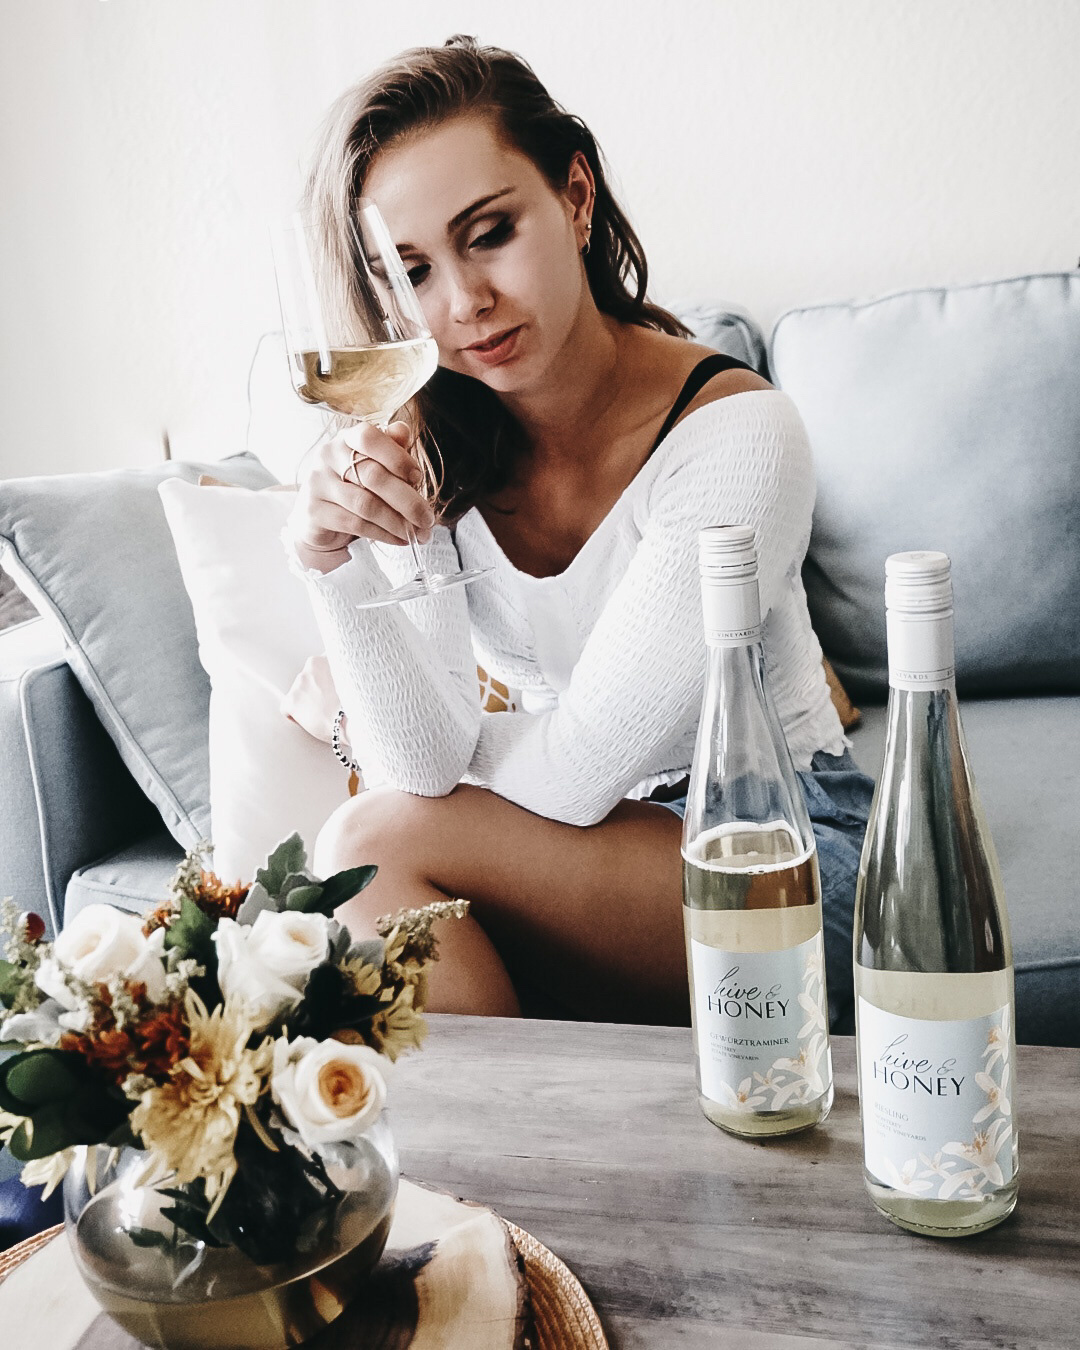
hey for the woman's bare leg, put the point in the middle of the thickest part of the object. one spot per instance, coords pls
(591, 916)
(469, 976)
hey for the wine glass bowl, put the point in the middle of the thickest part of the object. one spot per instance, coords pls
(357, 340)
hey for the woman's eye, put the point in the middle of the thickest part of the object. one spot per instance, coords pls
(418, 273)
(494, 237)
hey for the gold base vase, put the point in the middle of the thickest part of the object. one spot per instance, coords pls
(172, 1290)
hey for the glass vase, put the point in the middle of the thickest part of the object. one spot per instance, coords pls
(172, 1290)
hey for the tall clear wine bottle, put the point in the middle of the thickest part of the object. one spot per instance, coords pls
(751, 894)
(933, 962)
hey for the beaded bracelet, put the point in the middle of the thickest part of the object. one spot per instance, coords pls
(335, 741)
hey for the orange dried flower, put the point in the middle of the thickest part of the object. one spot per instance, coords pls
(159, 918)
(153, 1045)
(103, 1048)
(164, 1040)
(217, 899)
(208, 891)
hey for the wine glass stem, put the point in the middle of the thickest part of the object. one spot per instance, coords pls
(422, 573)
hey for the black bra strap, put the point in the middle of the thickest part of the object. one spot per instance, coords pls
(702, 373)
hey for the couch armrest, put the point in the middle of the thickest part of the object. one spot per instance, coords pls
(65, 796)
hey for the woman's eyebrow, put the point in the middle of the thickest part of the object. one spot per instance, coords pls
(463, 216)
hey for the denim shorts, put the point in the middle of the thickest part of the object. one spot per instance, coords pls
(838, 796)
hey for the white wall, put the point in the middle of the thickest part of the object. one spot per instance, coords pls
(771, 152)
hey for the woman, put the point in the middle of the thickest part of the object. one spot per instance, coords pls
(585, 440)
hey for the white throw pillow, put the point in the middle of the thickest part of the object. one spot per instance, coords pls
(256, 629)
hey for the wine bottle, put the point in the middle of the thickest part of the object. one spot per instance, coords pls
(751, 894)
(933, 963)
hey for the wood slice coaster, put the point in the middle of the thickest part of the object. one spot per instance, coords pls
(454, 1277)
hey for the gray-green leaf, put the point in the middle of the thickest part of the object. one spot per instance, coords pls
(289, 856)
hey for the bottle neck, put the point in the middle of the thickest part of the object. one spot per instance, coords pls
(735, 673)
(921, 651)
(732, 612)
(923, 722)
(742, 768)
(923, 716)
(930, 886)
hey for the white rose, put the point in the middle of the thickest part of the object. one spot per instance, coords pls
(327, 1091)
(290, 944)
(40, 1027)
(51, 980)
(98, 944)
(267, 963)
(241, 975)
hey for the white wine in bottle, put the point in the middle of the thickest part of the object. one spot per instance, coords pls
(933, 963)
(751, 895)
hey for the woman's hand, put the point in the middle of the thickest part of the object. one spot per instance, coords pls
(312, 702)
(377, 500)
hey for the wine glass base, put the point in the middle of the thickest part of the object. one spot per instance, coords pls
(421, 586)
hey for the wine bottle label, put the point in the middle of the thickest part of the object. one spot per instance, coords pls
(936, 1102)
(762, 1025)
(732, 613)
(921, 652)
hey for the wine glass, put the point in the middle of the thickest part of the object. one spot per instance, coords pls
(357, 340)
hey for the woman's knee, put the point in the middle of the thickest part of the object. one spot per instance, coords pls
(372, 827)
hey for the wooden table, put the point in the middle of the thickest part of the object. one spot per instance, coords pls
(590, 1137)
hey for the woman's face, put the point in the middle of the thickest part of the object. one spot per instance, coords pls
(493, 251)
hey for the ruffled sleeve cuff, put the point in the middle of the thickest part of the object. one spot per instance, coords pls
(352, 583)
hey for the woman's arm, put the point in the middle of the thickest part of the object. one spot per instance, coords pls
(635, 693)
(406, 675)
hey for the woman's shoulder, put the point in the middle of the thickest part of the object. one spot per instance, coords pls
(723, 384)
(665, 369)
(740, 430)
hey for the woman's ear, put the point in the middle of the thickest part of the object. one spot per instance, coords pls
(580, 190)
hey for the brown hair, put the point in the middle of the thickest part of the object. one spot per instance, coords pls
(476, 437)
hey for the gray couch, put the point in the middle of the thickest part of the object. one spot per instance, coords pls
(944, 419)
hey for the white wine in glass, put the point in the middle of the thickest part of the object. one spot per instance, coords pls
(357, 339)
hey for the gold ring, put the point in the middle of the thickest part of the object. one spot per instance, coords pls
(354, 465)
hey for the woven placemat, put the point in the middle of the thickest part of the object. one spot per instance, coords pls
(563, 1316)
(22, 1251)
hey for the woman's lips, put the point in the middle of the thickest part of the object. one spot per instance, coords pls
(501, 351)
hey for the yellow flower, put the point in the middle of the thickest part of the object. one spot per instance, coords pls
(49, 1171)
(400, 1027)
(189, 1124)
(365, 979)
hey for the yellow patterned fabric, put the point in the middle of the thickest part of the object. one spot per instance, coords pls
(494, 695)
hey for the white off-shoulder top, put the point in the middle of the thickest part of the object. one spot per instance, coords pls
(609, 654)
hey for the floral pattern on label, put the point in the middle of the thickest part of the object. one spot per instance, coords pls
(762, 1026)
(936, 1100)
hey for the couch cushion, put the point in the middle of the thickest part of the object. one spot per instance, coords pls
(731, 331)
(67, 796)
(1025, 756)
(256, 627)
(135, 878)
(94, 551)
(946, 419)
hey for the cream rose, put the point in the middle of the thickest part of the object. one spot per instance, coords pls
(328, 1091)
(101, 943)
(267, 963)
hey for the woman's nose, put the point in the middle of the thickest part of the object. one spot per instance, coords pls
(470, 295)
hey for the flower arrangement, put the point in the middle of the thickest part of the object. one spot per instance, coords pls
(234, 1035)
